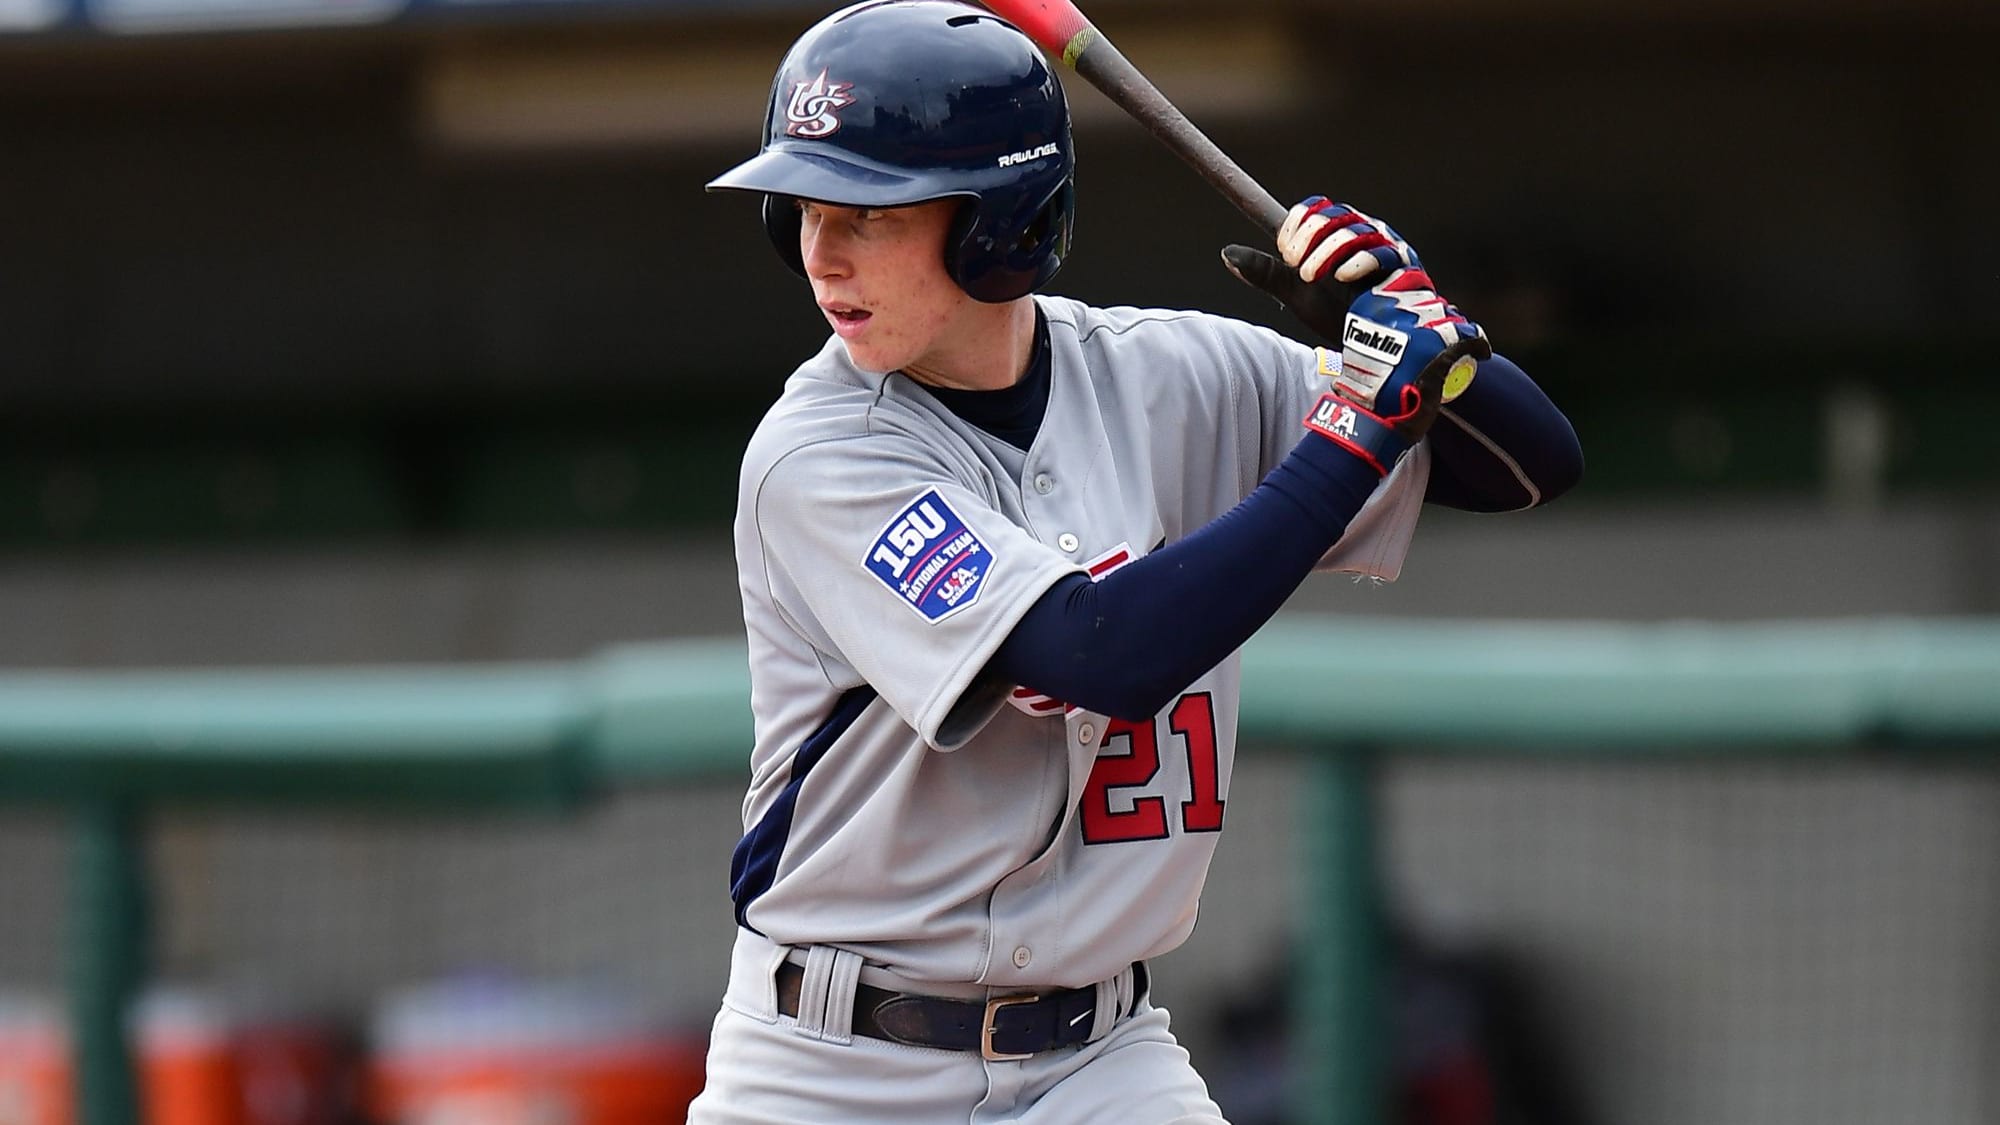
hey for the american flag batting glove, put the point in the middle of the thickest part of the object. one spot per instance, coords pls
(1359, 285)
(1321, 238)
(1379, 434)
(1392, 331)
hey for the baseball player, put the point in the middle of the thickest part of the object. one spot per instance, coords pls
(997, 552)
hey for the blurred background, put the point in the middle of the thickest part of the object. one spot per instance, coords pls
(400, 332)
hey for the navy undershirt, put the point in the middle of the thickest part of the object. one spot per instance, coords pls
(1012, 414)
(1125, 644)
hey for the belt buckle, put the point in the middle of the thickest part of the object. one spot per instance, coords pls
(988, 1026)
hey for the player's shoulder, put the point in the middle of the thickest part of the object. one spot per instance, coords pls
(1102, 324)
(1154, 335)
(825, 394)
(829, 410)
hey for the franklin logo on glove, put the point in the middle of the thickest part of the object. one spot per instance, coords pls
(1374, 341)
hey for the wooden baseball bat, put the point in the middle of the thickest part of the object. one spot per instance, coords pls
(1064, 33)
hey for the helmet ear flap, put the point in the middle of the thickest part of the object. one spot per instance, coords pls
(1000, 258)
(781, 223)
(963, 241)
(1049, 235)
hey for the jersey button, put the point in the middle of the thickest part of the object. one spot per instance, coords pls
(1066, 541)
(1023, 955)
(1086, 734)
(1044, 483)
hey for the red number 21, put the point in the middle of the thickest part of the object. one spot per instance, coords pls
(1193, 719)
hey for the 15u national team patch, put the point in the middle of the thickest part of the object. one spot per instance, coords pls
(930, 558)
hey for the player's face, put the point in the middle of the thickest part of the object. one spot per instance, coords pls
(878, 275)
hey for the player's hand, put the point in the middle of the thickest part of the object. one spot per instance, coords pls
(1332, 253)
(1355, 281)
(1381, 434)
(1392, 333)
(1324, 239)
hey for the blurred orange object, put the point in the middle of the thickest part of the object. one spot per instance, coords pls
(502, 1052)
(34, 1067)
(631, 1084)
(196, 1067)
(295, 1074)
(187, 1072)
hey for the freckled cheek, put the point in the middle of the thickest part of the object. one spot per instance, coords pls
(933, 316)
(893, 336)
(913, 327)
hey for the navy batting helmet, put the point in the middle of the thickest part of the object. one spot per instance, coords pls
(892, 102)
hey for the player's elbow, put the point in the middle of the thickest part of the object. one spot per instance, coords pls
(1563, 469)
(1539, 472)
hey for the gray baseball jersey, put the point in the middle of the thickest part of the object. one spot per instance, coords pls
(898, 806)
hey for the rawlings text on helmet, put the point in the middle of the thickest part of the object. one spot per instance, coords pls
(809, 113)
(1013, 158)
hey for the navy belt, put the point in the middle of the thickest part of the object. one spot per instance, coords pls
(1000, 1029)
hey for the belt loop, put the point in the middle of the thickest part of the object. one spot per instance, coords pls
(1115, 1000)
(843, 975)
(813, 992)
(753, 975)
(826, 994)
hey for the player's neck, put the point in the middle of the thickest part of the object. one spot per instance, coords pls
(988, 350)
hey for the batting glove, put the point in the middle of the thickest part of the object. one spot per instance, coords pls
(1379, 434)
(1393, 331)
(1318, 233)
(1353, 279)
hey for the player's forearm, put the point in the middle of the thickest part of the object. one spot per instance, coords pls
(1502, 445)
(1126, 644)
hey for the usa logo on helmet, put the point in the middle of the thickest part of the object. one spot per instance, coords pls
(810, 112)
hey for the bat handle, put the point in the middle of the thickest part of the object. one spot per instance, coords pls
(1107, 69)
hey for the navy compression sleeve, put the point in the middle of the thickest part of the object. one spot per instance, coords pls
(1502, 445)
(1123, 645)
